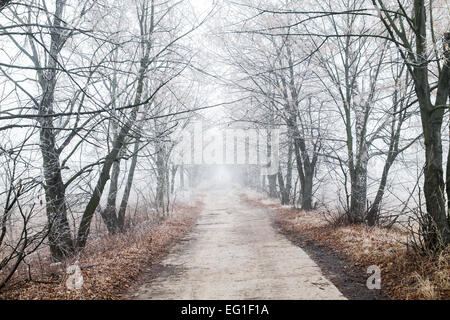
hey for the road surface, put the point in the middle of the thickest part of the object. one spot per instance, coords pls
(234, 253)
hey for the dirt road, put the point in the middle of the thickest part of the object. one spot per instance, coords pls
(235, 253)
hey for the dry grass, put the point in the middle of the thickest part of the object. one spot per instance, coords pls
(405, 275)
(110, 264)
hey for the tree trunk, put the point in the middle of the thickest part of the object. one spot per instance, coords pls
(432, 123)
(288, 186)
(434, 182)
(174, 174)
(182, 177)
(109, 213)
(283, 190)
(160, 177)
(272, 186)
(60, 238)
(374, 211)
(126, 193)
(306, 171)
(307, 190)
(358, 201)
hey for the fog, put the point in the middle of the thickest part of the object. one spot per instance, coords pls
(309, 103)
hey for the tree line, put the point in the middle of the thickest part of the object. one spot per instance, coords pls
(355, 84)
(91, 94)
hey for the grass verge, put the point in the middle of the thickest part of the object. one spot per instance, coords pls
(404, 274)
(109, 265)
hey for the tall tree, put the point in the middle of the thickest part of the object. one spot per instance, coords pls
(417, 41)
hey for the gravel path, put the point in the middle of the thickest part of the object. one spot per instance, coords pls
(234, 253)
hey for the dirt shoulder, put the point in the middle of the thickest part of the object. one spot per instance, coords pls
(345, 252)
(111, 265)
(348, 277)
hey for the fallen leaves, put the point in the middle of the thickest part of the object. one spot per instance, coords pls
(110, 264)
(404, 274)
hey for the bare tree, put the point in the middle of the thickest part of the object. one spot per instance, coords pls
(20, 233)
(275, 73)
(429, 68)
(69, 104)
